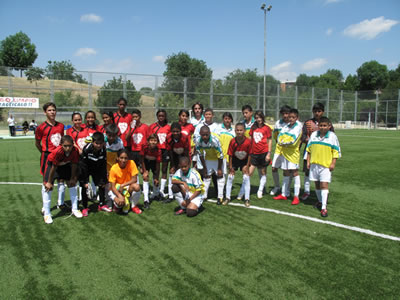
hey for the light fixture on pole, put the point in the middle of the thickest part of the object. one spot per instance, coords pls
(265, 9)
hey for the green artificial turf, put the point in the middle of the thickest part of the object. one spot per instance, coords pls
(225, 252)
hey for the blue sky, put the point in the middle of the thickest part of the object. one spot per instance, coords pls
(308, 36)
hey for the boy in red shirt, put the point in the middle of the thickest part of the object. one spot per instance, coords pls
(123, 120)
(62, 163)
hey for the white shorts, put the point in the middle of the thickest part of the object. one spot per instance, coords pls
(277, 161)
(198, 201)
(287, 165)
(320, 173)
(212, 166)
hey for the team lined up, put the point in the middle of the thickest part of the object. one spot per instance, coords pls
(196, 151)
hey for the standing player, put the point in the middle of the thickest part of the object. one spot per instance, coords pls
(47, 138)
(188, 188)
(198, 117)
(77, 131)
(290, 138)
(113, 145)
(162, 129)
(108, 118)
(122, 119)
(248, 120)
(187, 128)
(261, 144)
(90, 123)
(239, 158)
(62, 163)
(137, 135)
(276, 161)
(323, 150)
(211, 157)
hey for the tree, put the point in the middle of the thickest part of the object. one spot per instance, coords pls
(63, 70)
(34, 74)
(112, 90)
(351, 83)
(67, 99)
(372, 76)
(17, 51)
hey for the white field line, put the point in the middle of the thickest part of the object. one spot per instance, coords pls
(353, 228)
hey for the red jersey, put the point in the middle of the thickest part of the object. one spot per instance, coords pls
(123, 122)
(259, 137)
(139, 137)
(187, 130)
(91, 129)
(179, 146)
(151, 154)
(162, 133)
(240, 150)
(58, 158)
(78, 136)
(49, 135)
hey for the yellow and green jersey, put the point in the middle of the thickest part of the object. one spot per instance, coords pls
(192, 179)
(323, 148)
(225, 137)
(289, 139)
(211, 150)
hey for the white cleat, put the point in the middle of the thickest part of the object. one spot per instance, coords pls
(48, 219)
(77, 213)
(259, 194)
(274, 191)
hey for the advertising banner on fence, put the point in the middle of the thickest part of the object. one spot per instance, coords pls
(17, 102)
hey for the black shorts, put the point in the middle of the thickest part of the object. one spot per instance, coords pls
(43, 161)
(174, 160)
(150, 165)
(238, 164)
(97, 170)
(258, 160)
(62, 172)
(135, 156)
(165, 155)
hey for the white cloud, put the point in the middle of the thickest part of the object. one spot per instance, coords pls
(314, 64)
(284, 72)
(369, 29)
(329, 31)
(158, 58)
(91, 18)
(83, 52)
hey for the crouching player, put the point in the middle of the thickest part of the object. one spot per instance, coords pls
(94, 163)
(125, 190)
(323, 150)
(239, 158)
(188, 188)
(62, 163)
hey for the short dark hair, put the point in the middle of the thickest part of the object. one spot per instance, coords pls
(98, 137)
(66, 138)
(112, 129)
(205, 127)
(209, 109)
(153, 136)
(136, 112)
(199, 104)
(90, 112)
(285, 109)
(240, 124)
(324, 119)
(120, 151)
(183, 159)
(110, 114)
(48, 104)
(122, 99)
(318, 106)
(227, 114)
(294, 111)
(163, 111)
(176, 125)
(184, 111)
(74, 114)
(247, 107)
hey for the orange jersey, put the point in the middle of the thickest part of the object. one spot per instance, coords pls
(120, 176)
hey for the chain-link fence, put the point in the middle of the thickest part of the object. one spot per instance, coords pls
(99, 91)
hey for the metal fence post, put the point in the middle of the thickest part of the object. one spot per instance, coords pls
(258, 95)
(278, 90)
(327, 103)
(90, 90)
(355, 106)
(295, 97)
(52, 90)
(312, 100)
(211, 93)
(398, 110)
(124, 88)
(10, 84)
(156, 95)
(341, 106)
(387, 108)
(376, 109)
(185, 92)
(235, 101)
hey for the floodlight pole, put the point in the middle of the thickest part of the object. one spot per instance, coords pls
(265, 9)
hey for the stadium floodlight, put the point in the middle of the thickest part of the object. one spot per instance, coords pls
(265, 49)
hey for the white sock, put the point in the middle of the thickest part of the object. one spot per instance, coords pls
(324, 198)
(146, 191)
(306, 184)
(263, 182)
(46, 201)
(207, 182)
(242, 191)
(179, 199)
(229, 184)
(135, 196)
(319, 197)
(170, 194)
(286, 180)
(275, 176)
(94, 189)
(246, 184)
(73, 193)
(163, 183)
(297, 185)
(61, 193)
(220, 186)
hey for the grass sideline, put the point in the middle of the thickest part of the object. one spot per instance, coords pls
(225, 252)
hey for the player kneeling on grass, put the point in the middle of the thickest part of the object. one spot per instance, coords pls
(62, 163)
(125, 191)
(239, 158)
(94, 163)
(188, 188)
(323, 150)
